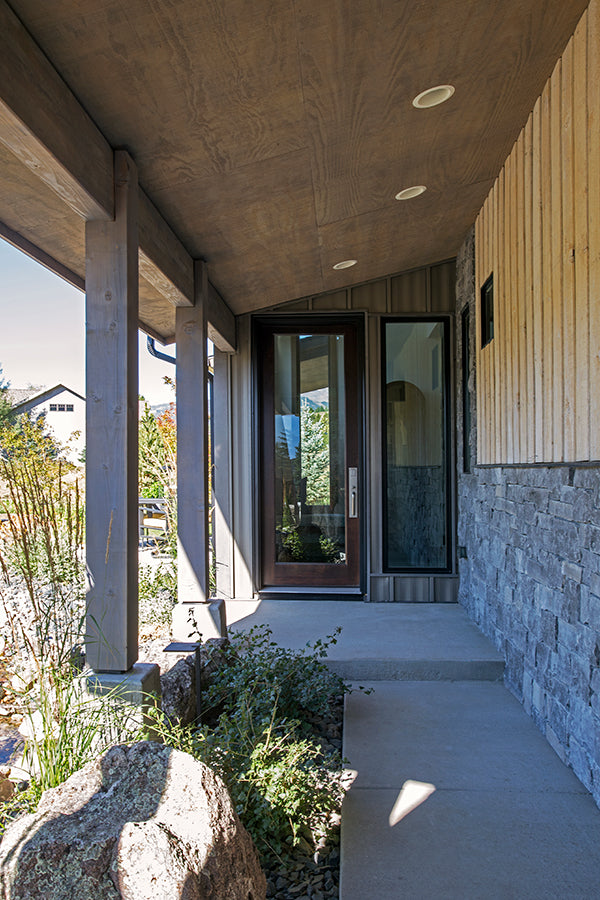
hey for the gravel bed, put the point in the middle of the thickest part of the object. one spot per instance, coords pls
(307, 877)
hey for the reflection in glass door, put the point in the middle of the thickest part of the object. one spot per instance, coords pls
(310, 517)
(309, 421)
(416, 470)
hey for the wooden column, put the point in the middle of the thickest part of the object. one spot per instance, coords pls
(192, 454)
(112, 428)
(223, 519)
(192, 470)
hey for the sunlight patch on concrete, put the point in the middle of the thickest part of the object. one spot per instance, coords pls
(412, 794)
(236, 610)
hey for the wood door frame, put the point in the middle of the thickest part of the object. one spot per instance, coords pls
(299, 580)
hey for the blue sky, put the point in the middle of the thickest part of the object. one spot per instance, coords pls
(42, 331)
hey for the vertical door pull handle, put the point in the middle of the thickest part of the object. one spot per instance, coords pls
(353, 492)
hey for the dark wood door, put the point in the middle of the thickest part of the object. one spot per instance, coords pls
(310, 441)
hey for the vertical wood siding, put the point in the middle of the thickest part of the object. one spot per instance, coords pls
(538, 385)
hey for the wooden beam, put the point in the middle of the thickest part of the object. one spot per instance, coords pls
(221, 322)
(43, 123)
(220, 319)
(164, 261)
(45, 126)
(168, 267)
(112, 429)
(21, 243)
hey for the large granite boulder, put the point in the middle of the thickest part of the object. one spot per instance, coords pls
(141, 823)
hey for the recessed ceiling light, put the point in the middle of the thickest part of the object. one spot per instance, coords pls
(433, 96)
(345, 264)
(409, 193)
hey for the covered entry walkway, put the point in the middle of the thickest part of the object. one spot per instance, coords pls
(456, 794)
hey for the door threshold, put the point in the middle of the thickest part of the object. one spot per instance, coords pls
(311, 593)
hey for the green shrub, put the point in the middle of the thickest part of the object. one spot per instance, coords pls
(260, 732)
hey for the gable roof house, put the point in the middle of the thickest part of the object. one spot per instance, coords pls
(63, 410)
(386, 216)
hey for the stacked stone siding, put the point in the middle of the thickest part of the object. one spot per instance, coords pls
(531, 582)
(529, 548)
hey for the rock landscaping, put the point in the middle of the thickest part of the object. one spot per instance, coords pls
(141, 822)
(304, 867)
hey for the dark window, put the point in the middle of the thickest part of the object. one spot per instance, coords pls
(61, 407)
(70, 407)
(53, 407)
(487, 311)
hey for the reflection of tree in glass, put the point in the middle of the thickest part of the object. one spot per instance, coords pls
(314, 443)
(288, 470)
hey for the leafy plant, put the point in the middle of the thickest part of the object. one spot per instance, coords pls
(329, 549)
(260, 732)
(294, 546)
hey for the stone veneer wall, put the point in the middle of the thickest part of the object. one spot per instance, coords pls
(529, 538)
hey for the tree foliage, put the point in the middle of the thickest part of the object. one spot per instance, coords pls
(314, 430)
(158, 462)
(157, 453)
(5, 405)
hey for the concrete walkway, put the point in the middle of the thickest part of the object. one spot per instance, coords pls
(456, 794)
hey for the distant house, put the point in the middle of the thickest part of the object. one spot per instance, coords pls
(64, 411)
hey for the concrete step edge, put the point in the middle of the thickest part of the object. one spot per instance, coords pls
(417, 669)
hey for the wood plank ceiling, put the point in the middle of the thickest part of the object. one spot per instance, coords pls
(274, 136)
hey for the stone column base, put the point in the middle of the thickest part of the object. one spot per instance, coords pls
(135, 689)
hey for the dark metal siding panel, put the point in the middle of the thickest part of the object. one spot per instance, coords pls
(411, 589)
(443, 287)
(410, 292)
(372, 297)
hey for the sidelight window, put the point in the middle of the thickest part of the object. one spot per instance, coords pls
(415, 445)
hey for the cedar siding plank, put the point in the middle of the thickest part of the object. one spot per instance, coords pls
(593, 130)
(581, 336)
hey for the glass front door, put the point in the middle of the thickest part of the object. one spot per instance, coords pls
(309, 456)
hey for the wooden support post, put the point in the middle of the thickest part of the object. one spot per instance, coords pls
(112, 429)
(221, 425)
(194, 608)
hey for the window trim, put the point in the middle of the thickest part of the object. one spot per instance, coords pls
(487, 311)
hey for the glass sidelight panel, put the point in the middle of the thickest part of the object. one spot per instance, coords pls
(416, 463)
(309, 429)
